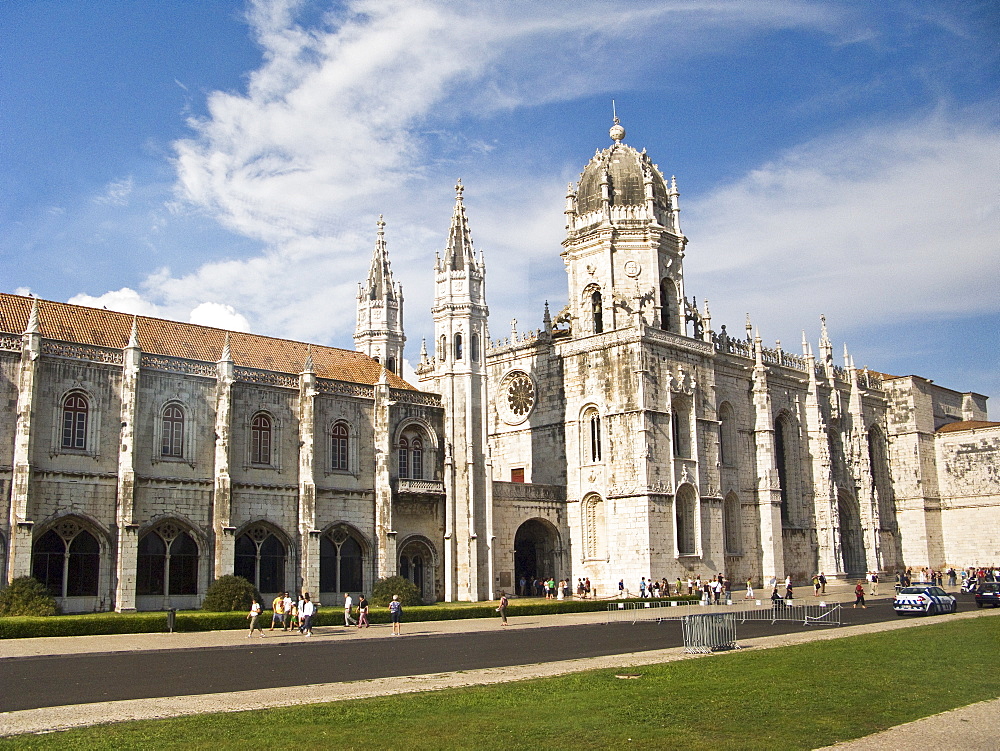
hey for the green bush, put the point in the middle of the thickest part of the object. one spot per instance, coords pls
(27, 596)
(229, 593)
(395, 585)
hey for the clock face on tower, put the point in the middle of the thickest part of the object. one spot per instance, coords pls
(516, 397)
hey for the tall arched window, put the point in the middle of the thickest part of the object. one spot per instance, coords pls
(260, 439)
(686, 520)
(881, 478)
(727, 435)
(417, 459)
(167, 563)
(172, 443)
(597, 310)
(390, 364)
(665, 304)
(404, 458)
(458, 347)
(442, 348)
(75, 416)
(595, 437)
(67, 560)
(474, 345)
(340, 561)
(339, 455)
(260, 559)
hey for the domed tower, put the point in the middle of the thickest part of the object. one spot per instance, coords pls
(624, 247)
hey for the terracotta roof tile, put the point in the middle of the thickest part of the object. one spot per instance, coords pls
(108, 328)
(953, 427)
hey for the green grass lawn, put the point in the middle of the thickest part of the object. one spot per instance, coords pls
(791, 697)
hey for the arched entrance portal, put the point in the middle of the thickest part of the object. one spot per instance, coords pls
(416, 563)
(535, 547)
(852, 540)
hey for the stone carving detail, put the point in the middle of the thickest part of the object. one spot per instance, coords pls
(178, 365)
(10, 342)
(327, 386)
(415, 397)
(516, 399)
(82, 352)
(267, 378)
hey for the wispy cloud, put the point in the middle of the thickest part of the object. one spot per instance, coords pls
(116, 193)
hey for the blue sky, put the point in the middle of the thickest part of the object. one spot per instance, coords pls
(226, 162)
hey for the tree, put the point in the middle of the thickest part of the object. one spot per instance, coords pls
(396, 585)
(229, 593)
(27, 596)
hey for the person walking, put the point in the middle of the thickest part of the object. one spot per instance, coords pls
(749, 594)
(348, 604)
(287, 605)
(362, 612)
(306, 611)
(874, 591)
(859, 595)
(395, 614)
(822, 583)
(502, 608)
(253, 617)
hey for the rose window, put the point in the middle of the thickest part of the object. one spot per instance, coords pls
(517, 397)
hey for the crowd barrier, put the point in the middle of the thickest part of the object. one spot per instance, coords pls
(742, 610)
(709, 632)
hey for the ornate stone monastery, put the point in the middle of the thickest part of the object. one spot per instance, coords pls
(626, 437)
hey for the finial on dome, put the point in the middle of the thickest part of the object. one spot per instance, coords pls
(617, 132)
(381, 225)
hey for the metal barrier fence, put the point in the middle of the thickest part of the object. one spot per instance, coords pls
(743, 611)
(709, 632)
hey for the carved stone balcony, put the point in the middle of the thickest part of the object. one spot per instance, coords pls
(419, 487)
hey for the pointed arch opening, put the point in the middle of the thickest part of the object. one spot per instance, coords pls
(732, 524)
(536, 545)
(260, 558)
(418, 564)
(686, 520)
(342, 560)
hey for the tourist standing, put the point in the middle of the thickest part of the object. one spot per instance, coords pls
(822, 583)
(395, 614)
(874, 592)
(749, 594)
(253, 616)
(348, 604)
(502, 608)
(306, 612)
(287, 605)
(362, 612)
(278, 614)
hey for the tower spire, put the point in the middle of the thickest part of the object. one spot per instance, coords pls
(459, 252)
(379, 330)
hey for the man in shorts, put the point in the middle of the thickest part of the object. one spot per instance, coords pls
(278, 611)
(395, 614)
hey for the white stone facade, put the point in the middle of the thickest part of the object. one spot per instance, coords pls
(624, 438)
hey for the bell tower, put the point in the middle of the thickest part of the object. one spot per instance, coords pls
(624, 248)
(457, 372)
(379, 331)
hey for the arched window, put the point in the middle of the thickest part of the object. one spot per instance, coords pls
(597, 310)
(404, 458)
(665, 304)
(727, 435)
(475, 347)
(732, 525)
(167, 563)
(784, 457)
(260, 559)
(390, 365)
(686, 519)
(416, 563)
(458, 347)
(442, 348)
(260, 439)
(172, 444)
(75, 417)
(675, 433)
(67, 560)
(339, 455)
(417, 459)
(340, 561)
(595, 437)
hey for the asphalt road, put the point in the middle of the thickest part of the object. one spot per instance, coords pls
(33, 682)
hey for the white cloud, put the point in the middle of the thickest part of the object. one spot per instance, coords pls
(220, 316)
(889, 224)
(124, 300)
(116, 193)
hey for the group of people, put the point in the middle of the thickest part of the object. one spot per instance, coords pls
(288, 614)
(550, 589)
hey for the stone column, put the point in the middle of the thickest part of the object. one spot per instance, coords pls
(19, 551)
(821, 472)
(385, 534)
(308, 534)
(768, 485)
(224, 532)
(128, 530)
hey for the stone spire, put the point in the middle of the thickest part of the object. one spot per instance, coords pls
(133, 337)
(380, 284)
(227, 355)
(459, 252)
(379, 331)
(33, 324)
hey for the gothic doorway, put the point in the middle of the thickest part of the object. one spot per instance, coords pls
(852, 540)
(535, 552)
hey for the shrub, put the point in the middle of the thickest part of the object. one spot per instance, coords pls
(395, 585)
(228, 593)
(27, 596)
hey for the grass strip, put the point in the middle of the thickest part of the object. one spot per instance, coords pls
(796, 697)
